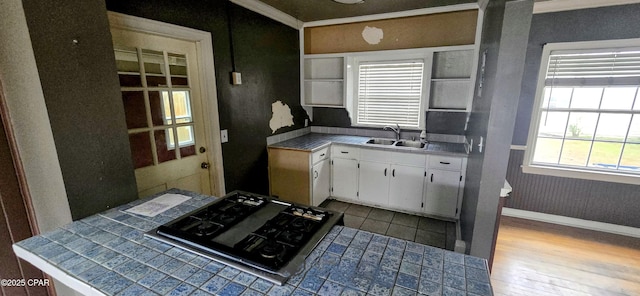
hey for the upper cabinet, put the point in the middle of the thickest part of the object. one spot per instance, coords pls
(451, 80)
(323, 81)
(444, 41)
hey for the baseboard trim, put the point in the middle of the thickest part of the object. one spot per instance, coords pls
(573, 222)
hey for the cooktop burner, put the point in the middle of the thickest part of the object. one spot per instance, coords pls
(254, 233)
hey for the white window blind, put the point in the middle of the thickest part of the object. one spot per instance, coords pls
(390, 93)
(609, 67)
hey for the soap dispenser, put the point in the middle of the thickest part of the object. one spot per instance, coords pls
(423, 136)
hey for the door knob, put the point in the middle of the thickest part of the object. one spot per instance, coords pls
(203, 150)
(204, 165)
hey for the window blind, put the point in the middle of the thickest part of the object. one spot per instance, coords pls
(619, 67)
(390, 93)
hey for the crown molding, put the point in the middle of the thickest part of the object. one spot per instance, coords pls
(270, 12)
(564, 5)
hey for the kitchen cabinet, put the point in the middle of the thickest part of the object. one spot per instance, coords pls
(374, 183)
(452, 79)
(321, 181)
(344, 172)
(444, 186)
(391, 179)
(299, 176)
(323, 81)
(405, 188)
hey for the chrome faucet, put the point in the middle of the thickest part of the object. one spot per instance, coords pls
(395, 130)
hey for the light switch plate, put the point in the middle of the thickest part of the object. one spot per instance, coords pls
(236, 78)
(224, 136)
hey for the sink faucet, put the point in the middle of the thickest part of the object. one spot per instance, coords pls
(395, 130)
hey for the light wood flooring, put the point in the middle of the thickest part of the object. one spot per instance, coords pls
(535, 258)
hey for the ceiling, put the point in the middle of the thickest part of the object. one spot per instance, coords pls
(316, 10)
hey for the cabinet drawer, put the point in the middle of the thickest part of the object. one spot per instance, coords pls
(445, 162)
(375, 155)
(412, 159)
(321, 154)
(341, 151)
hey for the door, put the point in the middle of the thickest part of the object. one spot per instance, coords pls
(374, 183)
(441, 194)
(162, 98)
(321, 181)
(344, 178)
(405, 188)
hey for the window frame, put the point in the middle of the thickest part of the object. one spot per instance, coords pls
(353, 78)
(587, 173)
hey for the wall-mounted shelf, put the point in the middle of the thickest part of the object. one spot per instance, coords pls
(323, 79)
(451, 80)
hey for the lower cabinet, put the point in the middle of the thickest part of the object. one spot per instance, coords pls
(374, 183)
(299, 176)
(405, 187)
(321, 182)
(344, 178)
(442, 193)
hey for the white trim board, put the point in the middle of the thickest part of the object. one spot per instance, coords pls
(270, 12)
(573, 222)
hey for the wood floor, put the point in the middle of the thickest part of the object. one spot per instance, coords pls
(535, 258)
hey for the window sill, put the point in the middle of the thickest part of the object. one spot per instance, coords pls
(581, 174)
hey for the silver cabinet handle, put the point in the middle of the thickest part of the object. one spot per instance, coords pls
(315, 174)
(385, 172)
(393, 173)
(444, 162)
(321, 155)
(431, 178)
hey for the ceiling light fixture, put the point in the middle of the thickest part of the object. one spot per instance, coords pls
(349, 1)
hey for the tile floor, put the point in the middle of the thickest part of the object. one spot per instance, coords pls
(428, 231)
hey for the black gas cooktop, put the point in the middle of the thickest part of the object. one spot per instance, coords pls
(257, 234)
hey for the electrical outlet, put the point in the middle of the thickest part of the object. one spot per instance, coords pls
(224, 136)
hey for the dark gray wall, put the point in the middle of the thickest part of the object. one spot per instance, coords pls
(599, 201)
(584, 199)
(83, 100)
(266, 52)
(504, 40)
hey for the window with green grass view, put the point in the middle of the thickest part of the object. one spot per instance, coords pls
(587, 113)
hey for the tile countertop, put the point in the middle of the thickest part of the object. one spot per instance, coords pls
(107, 254)
(315, 141)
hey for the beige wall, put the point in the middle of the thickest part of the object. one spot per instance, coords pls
(431, 30)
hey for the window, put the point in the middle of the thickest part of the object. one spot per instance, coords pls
(389, 92)
(586, 119)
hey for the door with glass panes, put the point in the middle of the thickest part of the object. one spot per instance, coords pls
(163, 109)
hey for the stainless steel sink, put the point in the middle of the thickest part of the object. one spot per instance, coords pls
(378, 141)
(411, 144)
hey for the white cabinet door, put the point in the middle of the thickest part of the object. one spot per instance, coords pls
(344, 178)
(374, 183)
(405, 187)
(321, 175)
(441, 194)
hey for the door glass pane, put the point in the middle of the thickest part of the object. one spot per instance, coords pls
(157, 108)
(182, 106)
(630, 157)
(128, 67)
(553, 124)
(178, 69)
(154, 67)
(613, 127)
(164, 146)
(547, 150)
(134, 109)
(634, 130)
(141, 149)
(575, 152)
(557, 97)
(582, 125)
(166, 108)
(586, 98)
(618, 98)
(605, 154)
(186, 140)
